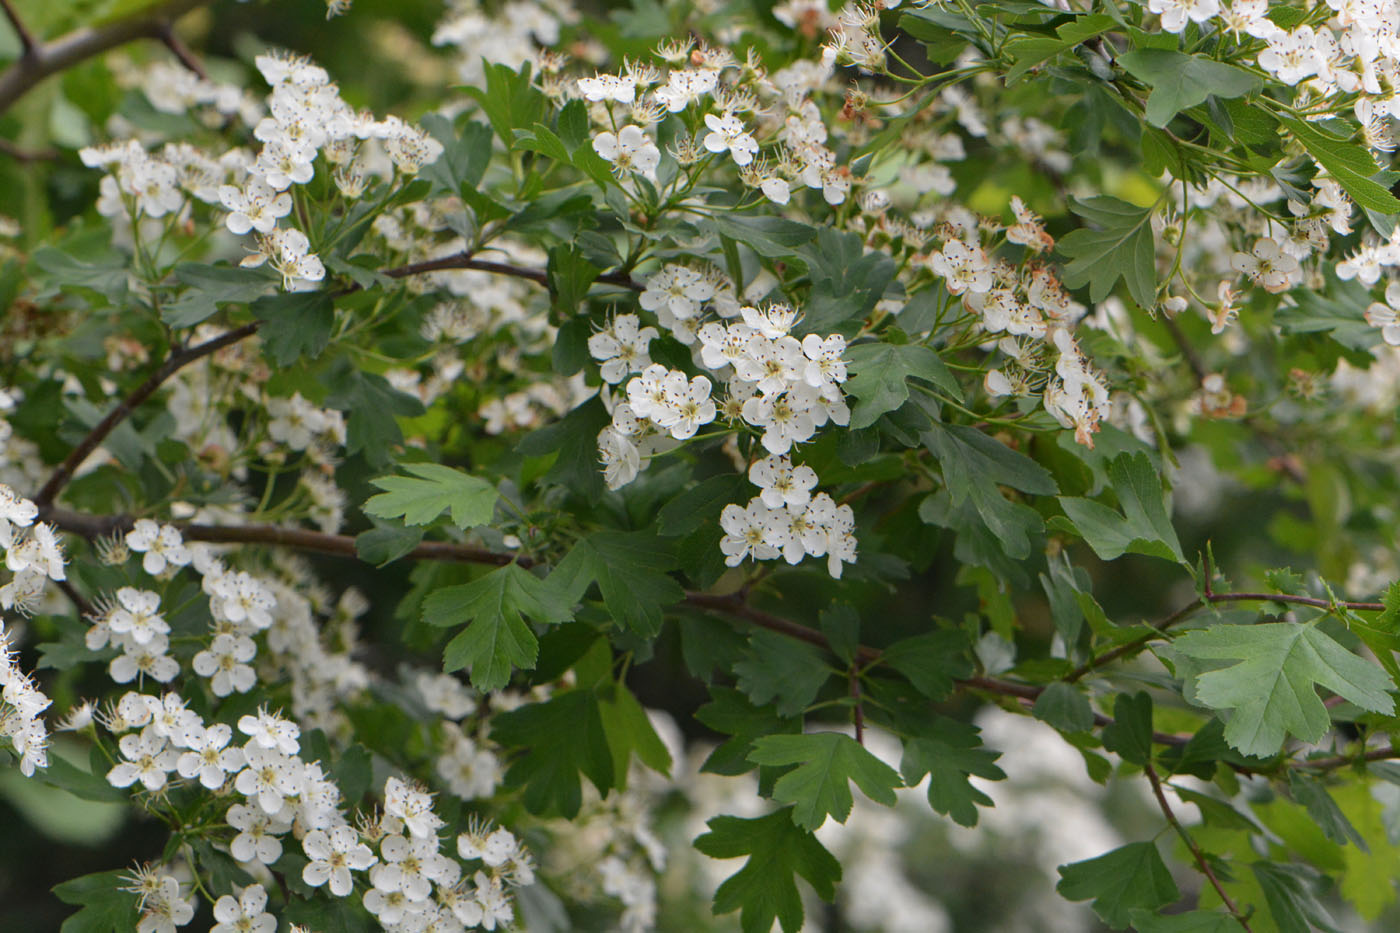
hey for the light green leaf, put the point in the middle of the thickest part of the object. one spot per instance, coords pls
(497, 636)
(1271, 690)
(1195, 921)
(820, 784)
(765, 889)
(432, 490)
(1123, 246)
(1180, 81)
(1131, 877)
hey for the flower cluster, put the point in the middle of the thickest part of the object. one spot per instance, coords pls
(33, 553)
(21, 707)
(786, 520)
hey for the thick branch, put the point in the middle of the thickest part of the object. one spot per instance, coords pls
(42, 60)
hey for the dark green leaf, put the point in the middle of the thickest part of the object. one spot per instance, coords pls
(776, 667)
(820, 784)
(1180, 81)
(631, 570)
(949, 752)
(295, 325)
(1143, 528)
(1130, 734)
(1119, 882)
(933, 662)
(1123, 247)
(562, 738)
(1065, 708)
(879, 374)
(765, 889)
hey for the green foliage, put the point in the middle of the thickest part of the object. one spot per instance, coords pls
(560, 739)
(765, 889)
(1181, 81)
(1129, 878)
(630, 569)
(950, 752)
(880, 374)
(430, 491)
(1143, 526)
(497, 637)
(826, 764)
(1271, 690)
(1122, 247)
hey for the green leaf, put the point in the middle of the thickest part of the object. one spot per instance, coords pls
(776, 667)
(386, 544)
(509, 100)
(1271, 690)
(575, 439)
(295, 325)
(430, 491)
(372, 404)
(1180, 81)
(1064, 707)
(568, 275)
(1119, 882)
(1123, 246)
(949, 752)
(841, 625)
(629, 730)
(847, 282)
(630, 569)
(465, 154)
(1130, 734)
(699, 503)
(1291, 892)
(731, 713)
(65, 775)
(820, 784)
(1351, 165)
(770, 237)
(765, 889)
(974, 466)
(562, 738)
(1195, 921)
(933, 662)
(1026, 52)
(210, 286)
(879, 374)
(1142, 528)
(106, 908)
(497, 637)
(1311, 793)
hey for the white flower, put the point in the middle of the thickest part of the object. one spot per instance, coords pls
(962, 267)
(138, 615)
(162, 545)
(785, 418)
(679, 290)
(248, 914)
(688, 405)
(684, 86)
(746, 532)
(727, 133)
(257, 834)
(622, 347)
(775, 189)
(1384, 316)
(149, 758)
(225, 662)
(620, 458)
(621, 88)
(333, 856)
(256, 208)
(270, 776)
(1267, 265)
(782, 484)
(1175, 13)
(15, 512)
(629, 150)
(209, 758)
(413, 805)
(39, 551)
(269, 730)
(148, 660)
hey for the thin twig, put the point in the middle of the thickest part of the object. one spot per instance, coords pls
(1196, 851)
(181, 51)
(857, 710)
(27, 44)
(178, 359)
(9, 148)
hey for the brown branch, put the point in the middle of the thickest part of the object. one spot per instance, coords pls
(27, 44)
(181, 51)
(178, 358)
(1341, 761)
(465, 260)
(41, 60)
(1196, 851)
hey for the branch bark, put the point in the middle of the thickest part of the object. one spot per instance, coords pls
(40, 60)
